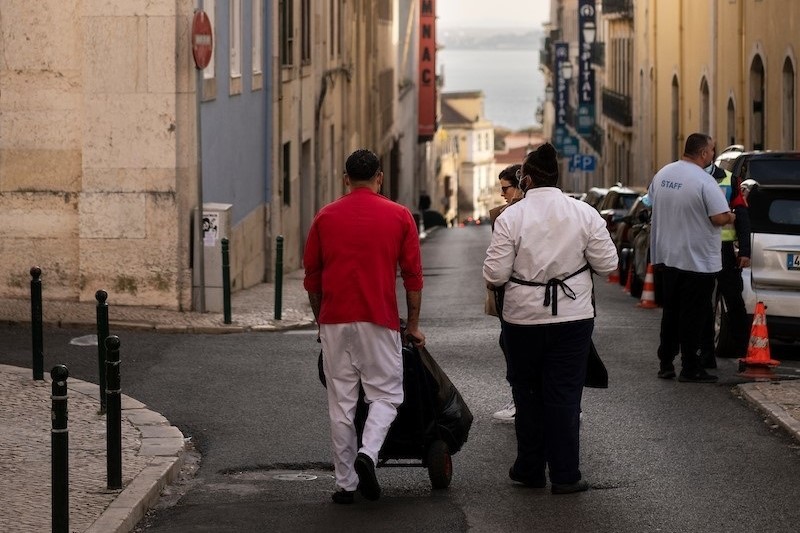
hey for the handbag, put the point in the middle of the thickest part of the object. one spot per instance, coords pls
(596, 372)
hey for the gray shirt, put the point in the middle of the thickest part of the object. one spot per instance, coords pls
(684, 196)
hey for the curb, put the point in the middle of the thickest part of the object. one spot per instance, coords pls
(161, 442)
(222, 329)
(753, 394)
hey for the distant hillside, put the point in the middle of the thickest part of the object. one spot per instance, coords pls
(490, 38)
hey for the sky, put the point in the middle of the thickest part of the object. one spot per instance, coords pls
(492, 13)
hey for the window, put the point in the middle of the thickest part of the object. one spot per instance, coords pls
(287, 32)
(340, 28)
(676, 123)
(705, 107)
(258, 35)
(287, 174)
(788, 105)
(235, 7)
(757, 103)
(305, 19)
(208, 7)
(332, 27)
(731, 122)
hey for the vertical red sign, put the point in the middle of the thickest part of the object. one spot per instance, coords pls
(427, 70)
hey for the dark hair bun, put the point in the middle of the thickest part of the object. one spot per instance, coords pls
(546, 158)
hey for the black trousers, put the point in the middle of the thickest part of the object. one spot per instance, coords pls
(687, 306)
(729, 287)
(547, 370)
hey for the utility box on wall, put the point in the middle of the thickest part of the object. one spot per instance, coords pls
(216, 226)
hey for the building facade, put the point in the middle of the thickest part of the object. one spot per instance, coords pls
(663, 70)
(463, 117)
(115, 150)
(98, 150)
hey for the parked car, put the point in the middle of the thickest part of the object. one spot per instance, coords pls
(637, 215)
(616, 204)
(728, 156)
(594, 196)
(774, 273)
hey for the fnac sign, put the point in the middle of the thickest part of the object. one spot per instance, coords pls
(427, 70)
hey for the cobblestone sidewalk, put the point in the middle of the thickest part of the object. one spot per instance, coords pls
(151, 455)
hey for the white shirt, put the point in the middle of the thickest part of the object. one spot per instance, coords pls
(684, 196)
(548, 235)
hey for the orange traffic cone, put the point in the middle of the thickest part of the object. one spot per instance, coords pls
(629, 281)
(648, 300)
(614, 276)
(758, 361)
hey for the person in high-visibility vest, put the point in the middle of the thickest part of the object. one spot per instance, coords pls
(735, 257)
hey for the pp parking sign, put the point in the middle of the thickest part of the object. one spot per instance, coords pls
(582, 162)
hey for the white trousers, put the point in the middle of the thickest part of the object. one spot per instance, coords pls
(371, 354)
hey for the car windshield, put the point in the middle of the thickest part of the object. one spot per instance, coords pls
(628, 201)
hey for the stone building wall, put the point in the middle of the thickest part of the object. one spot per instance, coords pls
(97, 149)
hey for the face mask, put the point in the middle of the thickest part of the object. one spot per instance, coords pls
(710, 168)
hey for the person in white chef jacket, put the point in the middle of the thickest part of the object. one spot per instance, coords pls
(543, 251)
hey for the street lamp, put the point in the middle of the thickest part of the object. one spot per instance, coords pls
(548, 93)
(566, 70)
(589, 32)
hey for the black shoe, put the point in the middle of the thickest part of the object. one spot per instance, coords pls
(367, 482)
(707, 360)
(534, 483)
(568, 488)
(342, 496)
(698, 376)
(667, 372)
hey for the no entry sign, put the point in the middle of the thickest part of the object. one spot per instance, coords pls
(202, 40)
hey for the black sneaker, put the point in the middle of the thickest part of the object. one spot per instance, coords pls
(666, 372)
(342, 496)
(569, 488)
(367, 482)
(534, 483)
(698, 376)
(707, 360)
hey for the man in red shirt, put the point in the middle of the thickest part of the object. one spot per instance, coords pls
(353, 249)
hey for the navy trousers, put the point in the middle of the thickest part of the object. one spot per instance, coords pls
(687, 306)
(547, 370)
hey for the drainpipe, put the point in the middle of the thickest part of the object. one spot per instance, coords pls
(327, 79)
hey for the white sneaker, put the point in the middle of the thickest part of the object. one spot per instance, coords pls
(507, 413)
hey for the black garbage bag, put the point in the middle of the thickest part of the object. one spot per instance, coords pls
(453, 417)
(432, 409)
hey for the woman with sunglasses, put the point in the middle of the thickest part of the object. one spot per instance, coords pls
(509, 189)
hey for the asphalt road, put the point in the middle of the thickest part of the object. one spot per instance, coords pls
(659, 455)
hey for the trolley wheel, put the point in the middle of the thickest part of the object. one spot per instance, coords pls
(440, 465)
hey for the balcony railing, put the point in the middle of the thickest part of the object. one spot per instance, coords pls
(546, 58)
(617, 107)
(618, 8)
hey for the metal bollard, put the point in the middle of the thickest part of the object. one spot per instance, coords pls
(113, 415)
(226, 282)
(102, 334)
(278, 277)
(36, 323)
(59, 444)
